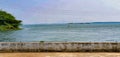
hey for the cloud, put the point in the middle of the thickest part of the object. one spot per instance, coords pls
(62, 11)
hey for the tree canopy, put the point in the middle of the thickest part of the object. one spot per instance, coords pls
(8, 21)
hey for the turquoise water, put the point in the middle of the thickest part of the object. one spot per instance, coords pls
(64, 32)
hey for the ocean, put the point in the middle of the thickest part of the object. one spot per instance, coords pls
(94, 32)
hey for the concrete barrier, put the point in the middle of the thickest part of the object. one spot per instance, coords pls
(59, 47)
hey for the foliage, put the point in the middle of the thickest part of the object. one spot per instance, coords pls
(8, 21)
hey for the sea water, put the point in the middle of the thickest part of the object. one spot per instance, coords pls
(64, 33)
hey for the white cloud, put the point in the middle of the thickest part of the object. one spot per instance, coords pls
(61, 11)
(77, 11)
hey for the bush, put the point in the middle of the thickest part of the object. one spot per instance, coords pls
(8, 21)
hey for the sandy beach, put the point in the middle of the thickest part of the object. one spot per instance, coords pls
(58, 54)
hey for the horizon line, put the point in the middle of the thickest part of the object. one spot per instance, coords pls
(72, 22)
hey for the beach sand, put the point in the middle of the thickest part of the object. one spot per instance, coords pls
(59, 54)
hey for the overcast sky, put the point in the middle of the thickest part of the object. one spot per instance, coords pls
(63, 11)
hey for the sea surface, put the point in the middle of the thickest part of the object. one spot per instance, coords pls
(95, 32)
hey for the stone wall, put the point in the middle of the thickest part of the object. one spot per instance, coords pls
(59, 47)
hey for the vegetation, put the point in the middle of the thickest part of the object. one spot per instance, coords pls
(8, 21)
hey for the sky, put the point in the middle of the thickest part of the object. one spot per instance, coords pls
(63, 11)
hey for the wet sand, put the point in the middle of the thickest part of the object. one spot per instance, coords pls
(59, 54)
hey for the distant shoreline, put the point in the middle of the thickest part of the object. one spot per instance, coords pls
(77, 23)
(97, 23)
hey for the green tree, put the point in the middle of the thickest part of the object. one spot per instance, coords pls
(8, 21)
